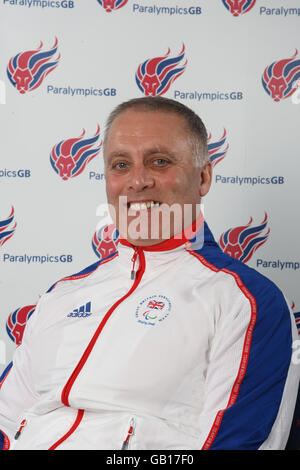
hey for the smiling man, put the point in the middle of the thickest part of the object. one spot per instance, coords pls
(157, 169)
(182, 346)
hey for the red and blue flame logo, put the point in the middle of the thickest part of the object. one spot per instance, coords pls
(69, 157)
(215, 151)
(6, 229)
(278, 78)
(27, 70)
(110, 5)
(241, 242)
(239, 7)
(297, 317)
(155, 76)
(17, 321)
(105, 241)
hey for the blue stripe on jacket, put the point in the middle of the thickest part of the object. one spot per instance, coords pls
(85, 271)
(248, 422)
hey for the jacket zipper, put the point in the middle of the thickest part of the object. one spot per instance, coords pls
(138, 276)
(18, 433)
(130, 433)
(133, 259)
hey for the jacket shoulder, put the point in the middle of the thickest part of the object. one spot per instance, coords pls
(73, 279)
(261, 287)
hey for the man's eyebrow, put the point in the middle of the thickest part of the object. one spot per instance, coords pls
(161, 150)
(117, 154)
(147, 153)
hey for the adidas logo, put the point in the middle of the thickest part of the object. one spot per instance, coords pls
(81, 312)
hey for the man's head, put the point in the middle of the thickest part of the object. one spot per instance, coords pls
(155, 154)
(196, 131)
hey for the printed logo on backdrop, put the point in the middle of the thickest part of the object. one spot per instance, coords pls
(215, 151)
(41, 3)
(18, 173)
(112, 5)
(241, 242)
(70, 157)
(27, 70)
(238, 7)
(280, 77)
(105, 241)
(170, 9)
(146, 73)
(279, 11)
(7, 230)
(7, 227)
(17, 321)
(297, 317)
(153, 309)
(155, 76)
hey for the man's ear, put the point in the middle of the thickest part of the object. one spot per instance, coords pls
(206, 178)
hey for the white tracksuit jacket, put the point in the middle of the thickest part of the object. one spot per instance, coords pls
(195, 352)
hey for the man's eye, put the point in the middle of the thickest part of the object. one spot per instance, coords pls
(119, 165)
(160, 161)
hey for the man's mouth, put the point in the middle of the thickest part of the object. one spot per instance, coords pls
(142, 205)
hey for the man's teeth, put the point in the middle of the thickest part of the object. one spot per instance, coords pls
(139, 206)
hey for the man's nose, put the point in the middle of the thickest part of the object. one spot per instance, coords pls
(140, 179)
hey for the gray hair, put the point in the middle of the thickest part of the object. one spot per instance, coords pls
(195, 126)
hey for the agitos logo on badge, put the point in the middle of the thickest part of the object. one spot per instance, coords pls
(110, 5)
(155, 76)
(279, 78)
(27, 70)
(241, 242)
(69, 157)
(238, 7)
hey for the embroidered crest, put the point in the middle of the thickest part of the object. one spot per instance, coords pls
(153, 309)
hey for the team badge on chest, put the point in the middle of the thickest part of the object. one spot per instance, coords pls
(153, 310)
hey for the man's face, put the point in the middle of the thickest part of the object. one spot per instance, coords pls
(149, 160)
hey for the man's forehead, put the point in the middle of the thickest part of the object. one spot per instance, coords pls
(143, 129)
(148, 132)
(135, 122)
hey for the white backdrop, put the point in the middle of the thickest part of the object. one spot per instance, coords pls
(92, 69)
